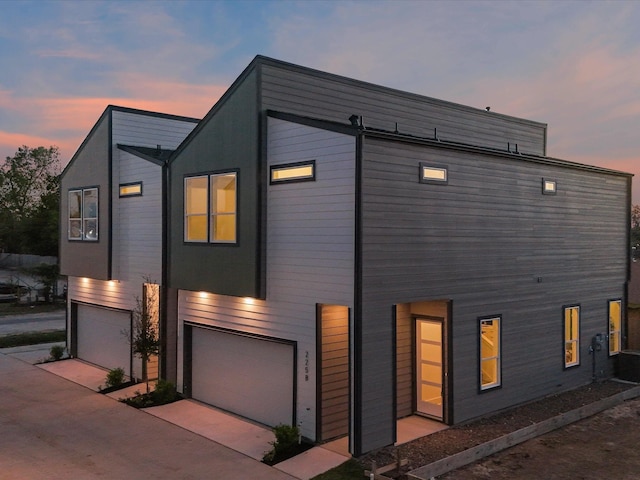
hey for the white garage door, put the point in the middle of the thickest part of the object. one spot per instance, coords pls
(245, 375)
(100, 339)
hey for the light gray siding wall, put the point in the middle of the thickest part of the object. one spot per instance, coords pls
(310, 255)
(149, 130)
(316, 94)
(137, 248)
(494, 245)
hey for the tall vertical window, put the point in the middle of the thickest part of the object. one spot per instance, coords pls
(210, 208)
(83, 214)
(571, 336)
(490, 353)
(615, 326)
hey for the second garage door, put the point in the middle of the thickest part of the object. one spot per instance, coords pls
(100, 339)
(250, 376)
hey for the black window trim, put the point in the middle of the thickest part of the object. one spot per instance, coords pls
(82, 190)
(433, 181)
(282, 166)
(491, 388)
(130, 184)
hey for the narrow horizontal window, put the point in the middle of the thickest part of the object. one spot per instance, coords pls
(548, 186)
(131, 189)
(433, 174)
(293, 172)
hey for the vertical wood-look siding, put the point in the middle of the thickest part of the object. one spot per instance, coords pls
(334, 382)
(316, 94)
(490, 242)
(310, 255)
(404, 361)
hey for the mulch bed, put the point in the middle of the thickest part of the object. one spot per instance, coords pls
(439, 445)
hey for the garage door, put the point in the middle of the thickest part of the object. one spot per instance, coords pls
(99, 337)
(250, 376)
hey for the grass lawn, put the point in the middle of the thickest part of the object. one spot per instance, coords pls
(32, 338)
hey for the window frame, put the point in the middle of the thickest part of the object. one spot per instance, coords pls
(83, 218)
(433, 166)
(129, 184)
(548, 191)
(576, 340)
(618, 332)
(498, 358)
(209, 215)
(285, 166)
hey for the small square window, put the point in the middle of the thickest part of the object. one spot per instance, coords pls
(436, 174)
(131, 189)
(548, 186)
(293, 172)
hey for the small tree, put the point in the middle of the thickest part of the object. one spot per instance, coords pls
(145, 341)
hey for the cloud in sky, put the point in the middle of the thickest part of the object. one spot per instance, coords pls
(570, 64)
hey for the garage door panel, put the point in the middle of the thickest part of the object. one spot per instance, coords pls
(249, 376)
(100, 339)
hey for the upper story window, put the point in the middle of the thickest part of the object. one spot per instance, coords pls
(436, 174)
(210, 208)
(549, 187)
(130, 189)
(83, 214)
(293, 172)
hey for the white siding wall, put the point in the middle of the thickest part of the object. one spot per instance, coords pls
(136, 221)
(137, 242)
(148, 130)
(310, 254)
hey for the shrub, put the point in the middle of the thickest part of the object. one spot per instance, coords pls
(165, 392)
(56, 352)
(286, 444)
(115, 377)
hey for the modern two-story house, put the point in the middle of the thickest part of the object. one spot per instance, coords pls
(111, 236)
(339, 255)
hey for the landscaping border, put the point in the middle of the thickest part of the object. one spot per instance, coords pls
(440, 467)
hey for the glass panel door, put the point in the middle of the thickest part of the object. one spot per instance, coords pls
(429, 367)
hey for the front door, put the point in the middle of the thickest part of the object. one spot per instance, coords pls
(429, 372)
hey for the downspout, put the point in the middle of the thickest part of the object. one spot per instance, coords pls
(162, 317)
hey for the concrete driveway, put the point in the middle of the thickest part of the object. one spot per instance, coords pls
(53, 428)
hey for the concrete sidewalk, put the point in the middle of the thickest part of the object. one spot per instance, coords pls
(91, 424)
(54, 428)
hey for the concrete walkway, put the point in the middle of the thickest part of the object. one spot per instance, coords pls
(222, 430)
(54, 428)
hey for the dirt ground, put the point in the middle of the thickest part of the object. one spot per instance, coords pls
(599, 447)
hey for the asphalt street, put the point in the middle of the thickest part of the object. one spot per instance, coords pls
(32, 322)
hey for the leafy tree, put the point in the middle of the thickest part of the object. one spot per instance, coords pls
(29, 199)
(635, 228)
(145, 342)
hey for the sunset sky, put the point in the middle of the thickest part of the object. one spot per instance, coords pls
(573, 65)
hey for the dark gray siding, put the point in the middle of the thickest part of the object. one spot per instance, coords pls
(317, 94)
(88, 168)
(494, 245)
(226, 139)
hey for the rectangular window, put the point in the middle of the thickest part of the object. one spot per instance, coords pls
(293, 172)
(615, 326)
(548, 186)
(210, 208)
(436, 174)
(571, 336)
(490, 353)
(83, 214)
(131, 189)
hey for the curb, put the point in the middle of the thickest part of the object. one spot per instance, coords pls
(483, 450)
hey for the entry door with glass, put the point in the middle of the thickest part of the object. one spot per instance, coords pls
(429, 374)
